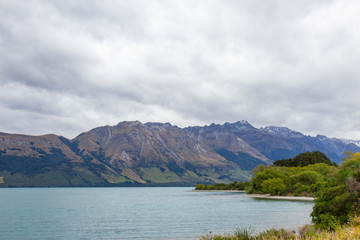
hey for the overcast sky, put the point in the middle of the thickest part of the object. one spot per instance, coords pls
(70, 66)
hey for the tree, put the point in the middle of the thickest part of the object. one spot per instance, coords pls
(274, 186)
(200, 187)
(339, 201)
(304, 159)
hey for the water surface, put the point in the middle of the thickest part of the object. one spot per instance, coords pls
(138, 213)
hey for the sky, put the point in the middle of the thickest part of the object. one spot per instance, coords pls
(70, 66)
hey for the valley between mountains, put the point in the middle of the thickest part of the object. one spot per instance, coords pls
(153, 154)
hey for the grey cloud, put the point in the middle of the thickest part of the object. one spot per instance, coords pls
(68, 66)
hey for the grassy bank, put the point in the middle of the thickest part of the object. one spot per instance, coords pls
(350, 231)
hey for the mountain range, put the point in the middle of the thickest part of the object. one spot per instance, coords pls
(132, 153)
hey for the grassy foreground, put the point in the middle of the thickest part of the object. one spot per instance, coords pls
(350, 231)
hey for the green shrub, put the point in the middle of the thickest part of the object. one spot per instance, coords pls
(274, 186)
(222, 186)
(243, 233)
(200, 187)
(304, 159)
(304, 181)
(276, 234)
(338, 201)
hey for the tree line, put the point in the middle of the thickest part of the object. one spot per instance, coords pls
(222, 186)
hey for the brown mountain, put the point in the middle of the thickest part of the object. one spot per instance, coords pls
(156, 153)
(275, 143)
(132, 153)
(128, 153)
(227, 144)
(41, 161)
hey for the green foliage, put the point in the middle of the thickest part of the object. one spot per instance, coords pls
(263, 174)
(304, 159)
(307, 232)
(274, 186)
(276, 234)
(298, 181)
(333, 207)
(338, 201)
(210, 187)
(337, 188)
(308, 177)
(243, 233)
(200, 187)
(222, 186)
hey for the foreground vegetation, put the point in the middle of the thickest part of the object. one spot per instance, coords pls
(350, 231)
(336, 188)
(336, 211)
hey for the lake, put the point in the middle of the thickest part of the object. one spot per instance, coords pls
(138, 213)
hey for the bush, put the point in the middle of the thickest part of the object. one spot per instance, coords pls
(304, 181)
(200, 187)
(339, 200)
(274, 186)
(276, 234)
(222, 186)
(304, 159)
(243, 233)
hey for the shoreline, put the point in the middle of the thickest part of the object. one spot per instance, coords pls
(264, 196)
(287, 198)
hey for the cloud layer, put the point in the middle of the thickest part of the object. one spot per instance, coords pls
(69, 66)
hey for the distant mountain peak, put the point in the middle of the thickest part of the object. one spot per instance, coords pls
(130, 123)
(239, 125)
(321, 137)
(281, 131)
(244, 122)
(158, 124)
(347, 141)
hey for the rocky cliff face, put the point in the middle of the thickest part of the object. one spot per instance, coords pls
(276, 143)
(153, 153)
(224, 141)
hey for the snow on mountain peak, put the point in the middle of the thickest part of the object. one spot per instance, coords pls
(347, 141)
(281, 131)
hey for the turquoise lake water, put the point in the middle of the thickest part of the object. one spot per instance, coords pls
(138, 213)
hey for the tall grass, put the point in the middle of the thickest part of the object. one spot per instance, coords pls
(243, 233)
(307, 232)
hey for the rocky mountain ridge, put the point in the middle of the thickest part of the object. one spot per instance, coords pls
(153, 153)
(280, 142)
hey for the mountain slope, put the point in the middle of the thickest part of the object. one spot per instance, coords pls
(280, 142)
(41, 161)
(132, 153)
(128, 153)
(227, 144)
(155, 152)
